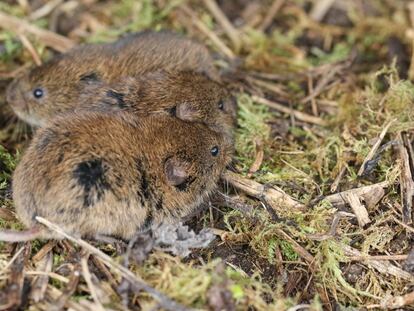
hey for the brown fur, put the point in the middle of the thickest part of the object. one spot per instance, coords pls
(112, 174)
(187, 95)
(64, 77)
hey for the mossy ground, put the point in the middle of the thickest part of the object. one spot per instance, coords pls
(363, 49)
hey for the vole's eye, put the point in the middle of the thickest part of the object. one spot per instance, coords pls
(38, 93)
(221, 104)
(214, 151)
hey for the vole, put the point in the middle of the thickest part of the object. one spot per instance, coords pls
(186, 95)
(60, 80)
(113, 174)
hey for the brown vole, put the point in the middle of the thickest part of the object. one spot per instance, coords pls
(112, 174)
(62, 79)
(187, 95)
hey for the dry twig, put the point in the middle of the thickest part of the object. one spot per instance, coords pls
(258, 159)
(271, 13)
(87, 276)
(48, 38)
(39, 284)
(211, 35)
(359, 210)
(374, 148)
(222, 19)
(383, 267)
(320, 9)
(297, 114)
(26, 43)
(274, 196)
(370, 194)
(406, 182)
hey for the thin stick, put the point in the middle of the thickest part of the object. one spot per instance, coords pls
(383, 267)
(406, 182)
(40, 282)
(374, 148)
(324, 81)
(87, 276)
(45, 10)
(258, 159)
(338, 179)
(270, 86)
(338, 199)
(313, 101)
(297, 114)
(320, 9)
(26, 43)
(274, 196)
(410, 7)
(297, 247)
(63, 297)
(359, 210)
(378, 257)
(271, 14)
(405, 226)
(11, 260)
(137, 283)
(211, 35)
(398, 301)
(48, 38)
(222, 19)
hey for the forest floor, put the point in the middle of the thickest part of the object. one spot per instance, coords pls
(325, 117)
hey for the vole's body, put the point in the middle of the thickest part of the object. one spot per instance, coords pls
(61, 80)
(187, 95)
(110, 174)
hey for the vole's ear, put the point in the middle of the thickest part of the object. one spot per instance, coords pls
(89, 78)
(175, 171)
(187, 112)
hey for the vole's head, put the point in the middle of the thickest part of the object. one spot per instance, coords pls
(192, 160)
(45, 91)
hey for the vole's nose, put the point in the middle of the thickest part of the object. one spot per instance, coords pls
(13, 96)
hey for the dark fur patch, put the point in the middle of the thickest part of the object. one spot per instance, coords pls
(91, 176)
(60, 157)
(148, 220)
(145, 191)
(89, 77)
(159, 206)
(119, 97)
(184, 186)
(172, 111)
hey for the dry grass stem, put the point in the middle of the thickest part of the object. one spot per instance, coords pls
(48, 38)
(274, 196)
(222, 19)
(359, 210)
(301, 116)
(374, 148)
(208, 33)
(406, 182)
(371, 194)
(26, 43)
(382, 267)
(39, 284)
(271, 14)
(87, 276)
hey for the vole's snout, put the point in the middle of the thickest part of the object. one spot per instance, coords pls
(14, 96)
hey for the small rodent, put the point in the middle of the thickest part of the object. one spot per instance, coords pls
(61, 79)
(186, 95)
(113, 174)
